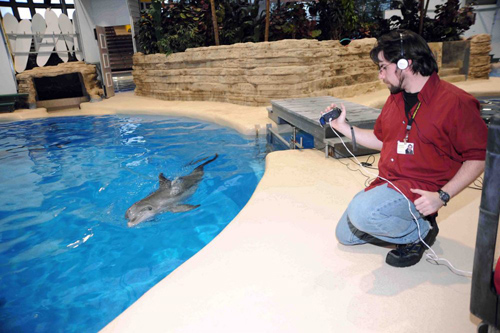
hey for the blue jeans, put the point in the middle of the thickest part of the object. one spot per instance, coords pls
(380, 214)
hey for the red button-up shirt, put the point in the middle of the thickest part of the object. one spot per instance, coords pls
(447, 131)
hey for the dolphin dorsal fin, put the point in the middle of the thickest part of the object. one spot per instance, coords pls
(164, 181)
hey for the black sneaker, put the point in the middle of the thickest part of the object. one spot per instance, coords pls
(406, 255)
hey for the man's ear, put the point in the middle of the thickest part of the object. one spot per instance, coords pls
(410, 63)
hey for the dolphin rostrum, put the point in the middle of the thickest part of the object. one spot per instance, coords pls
(168, 197)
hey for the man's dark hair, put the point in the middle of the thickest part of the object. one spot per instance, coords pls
(415, 48)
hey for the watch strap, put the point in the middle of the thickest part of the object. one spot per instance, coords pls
(445, 197)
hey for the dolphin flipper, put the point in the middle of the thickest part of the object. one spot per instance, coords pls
(183, 208)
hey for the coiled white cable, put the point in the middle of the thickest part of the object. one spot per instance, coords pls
(431, 257)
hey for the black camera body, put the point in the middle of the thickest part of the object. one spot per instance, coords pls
(331, 115)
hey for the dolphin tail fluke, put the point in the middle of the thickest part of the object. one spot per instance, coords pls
(205, 163)
(183, 208)
(197, 161)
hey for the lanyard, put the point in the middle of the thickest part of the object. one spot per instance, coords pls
(410, 121)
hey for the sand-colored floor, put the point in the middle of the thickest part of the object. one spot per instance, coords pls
(277, 266)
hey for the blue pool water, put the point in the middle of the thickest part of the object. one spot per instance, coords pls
(68, 261)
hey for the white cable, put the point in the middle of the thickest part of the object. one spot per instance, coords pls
(430, 257)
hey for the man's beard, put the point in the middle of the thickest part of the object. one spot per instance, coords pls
(396, 89)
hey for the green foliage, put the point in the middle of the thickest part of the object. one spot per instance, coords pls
(155, 12)
(146, 36)
(449, 23)
(368, 11)
(240, 22)
(340, 18)
(290, 21)
(331, 19)
(375, 28)
(411, 15)
(185, 25)
(181, 39)
(175, 26)
(350, 16)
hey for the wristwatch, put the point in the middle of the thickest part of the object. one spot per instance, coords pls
(445, 197)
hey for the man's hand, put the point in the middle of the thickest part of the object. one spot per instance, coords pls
(339, 123)
(428, 203)
(364, 137)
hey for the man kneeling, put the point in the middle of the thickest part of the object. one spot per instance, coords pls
(433, 145)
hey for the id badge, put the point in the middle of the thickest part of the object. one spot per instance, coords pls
(405, 148)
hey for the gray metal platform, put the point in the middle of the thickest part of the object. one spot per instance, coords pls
(304, 113)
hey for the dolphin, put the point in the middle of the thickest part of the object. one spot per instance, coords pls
(167, 198)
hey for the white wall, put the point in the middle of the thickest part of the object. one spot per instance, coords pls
(7, 82)
(99, 12)
(135, 14)
(495, 35)
(487, 23)
(86, 25)
(108, 13)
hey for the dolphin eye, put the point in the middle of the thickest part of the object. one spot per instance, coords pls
(150, 208)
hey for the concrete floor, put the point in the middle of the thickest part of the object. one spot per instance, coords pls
(277, 266)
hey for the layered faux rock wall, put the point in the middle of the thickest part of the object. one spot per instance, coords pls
(255, 73)
(479, 60)
(89, 75)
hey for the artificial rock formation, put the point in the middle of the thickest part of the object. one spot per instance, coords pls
(255, 73)
(479, 61)
(88, 72)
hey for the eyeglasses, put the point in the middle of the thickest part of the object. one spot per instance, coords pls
(383, 68)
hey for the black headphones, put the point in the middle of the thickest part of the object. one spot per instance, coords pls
(402, 62)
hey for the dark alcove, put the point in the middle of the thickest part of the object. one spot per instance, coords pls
(60, 86)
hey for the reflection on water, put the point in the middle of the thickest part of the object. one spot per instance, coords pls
(67, 258)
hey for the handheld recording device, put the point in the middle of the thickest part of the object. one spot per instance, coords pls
(333, 114)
